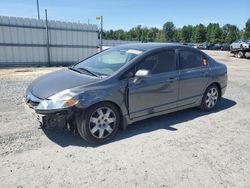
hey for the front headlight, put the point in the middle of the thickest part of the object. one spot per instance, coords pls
(60, 100)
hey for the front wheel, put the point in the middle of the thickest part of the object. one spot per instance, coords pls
(99, 124)
(240, 54)
(210, 98)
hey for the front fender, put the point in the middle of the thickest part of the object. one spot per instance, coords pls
(114, 93)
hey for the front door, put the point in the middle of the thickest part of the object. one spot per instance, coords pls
(159, 92)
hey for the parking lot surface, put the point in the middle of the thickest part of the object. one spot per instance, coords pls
(189, 148)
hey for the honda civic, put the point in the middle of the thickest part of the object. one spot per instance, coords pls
(124, 84)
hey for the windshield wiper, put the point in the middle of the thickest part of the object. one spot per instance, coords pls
(86, 70)
(73, 69)
(80, 70)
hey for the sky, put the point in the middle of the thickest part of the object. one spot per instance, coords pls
(125, 14)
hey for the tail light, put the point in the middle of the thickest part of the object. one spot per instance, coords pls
(204, 61)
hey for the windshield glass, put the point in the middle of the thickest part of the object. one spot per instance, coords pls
(108, 61)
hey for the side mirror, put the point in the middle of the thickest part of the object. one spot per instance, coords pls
(141, 74)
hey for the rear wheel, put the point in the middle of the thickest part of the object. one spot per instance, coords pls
(210, 98)
(99, 124)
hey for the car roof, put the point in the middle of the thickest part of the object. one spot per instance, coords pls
(151, 46)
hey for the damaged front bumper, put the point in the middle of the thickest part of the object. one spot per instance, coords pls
(61, 118)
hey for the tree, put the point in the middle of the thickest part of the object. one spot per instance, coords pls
(135, 33)
(152, 33)
(246, 34)
(213, 33)
(177, 35)
(186, 33)
(199, 34)
(120, 34)
(169, 30)
(208, 32)
(216, 34)
(160, 37)
(230, 33)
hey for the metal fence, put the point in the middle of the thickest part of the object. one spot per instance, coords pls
(32, 42)
(117, 42)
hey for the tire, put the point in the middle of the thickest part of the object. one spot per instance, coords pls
(240, 54)
(99, 123)
(210, 98)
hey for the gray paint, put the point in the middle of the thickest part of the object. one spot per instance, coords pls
(159, 94)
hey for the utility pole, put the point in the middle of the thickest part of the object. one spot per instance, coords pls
(101, 33)
(38, 12)
(100, 19)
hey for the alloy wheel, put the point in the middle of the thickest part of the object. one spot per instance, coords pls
(102, 122)
(212, 97)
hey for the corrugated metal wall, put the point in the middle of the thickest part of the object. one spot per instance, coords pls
(117, 42)
(23, 42)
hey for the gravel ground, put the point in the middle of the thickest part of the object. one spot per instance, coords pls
(189, 148)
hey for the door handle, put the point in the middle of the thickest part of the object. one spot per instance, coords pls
(205, 73)
(171, 79)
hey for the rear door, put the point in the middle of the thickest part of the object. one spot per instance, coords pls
(193, 76)
(158, 92)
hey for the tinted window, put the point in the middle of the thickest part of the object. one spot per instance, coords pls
(189, 59)
(163, 61)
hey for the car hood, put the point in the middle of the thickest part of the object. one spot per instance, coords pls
(52, 83)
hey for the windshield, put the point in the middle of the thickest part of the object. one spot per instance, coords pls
(108, 61)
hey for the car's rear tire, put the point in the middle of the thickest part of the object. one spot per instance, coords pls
(210, 98)
(99, 123)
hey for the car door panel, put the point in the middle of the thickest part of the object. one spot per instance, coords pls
(192, 84)
(193, 76)
(154, 94)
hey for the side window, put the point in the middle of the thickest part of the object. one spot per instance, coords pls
(160, 62)
(189, 59)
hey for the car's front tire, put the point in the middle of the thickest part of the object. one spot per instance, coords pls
(99, 123)
(210, 98)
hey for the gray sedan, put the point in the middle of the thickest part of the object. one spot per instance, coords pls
(125, 84)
